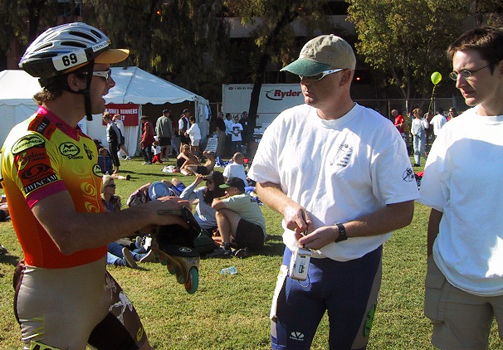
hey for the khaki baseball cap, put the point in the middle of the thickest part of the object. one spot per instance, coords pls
(323, 53)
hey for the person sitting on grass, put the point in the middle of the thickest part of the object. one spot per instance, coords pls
(240, 219)
(205, 214)
(188, 164)
(117, 254)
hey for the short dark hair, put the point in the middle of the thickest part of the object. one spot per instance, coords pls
(487, 41)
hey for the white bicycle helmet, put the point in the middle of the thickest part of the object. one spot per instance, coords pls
(67, 47)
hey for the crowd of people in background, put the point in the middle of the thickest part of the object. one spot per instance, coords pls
(419, 130)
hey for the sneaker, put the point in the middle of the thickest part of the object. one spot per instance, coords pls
(242, 253)
(147, 243)
(128, 177)
(149, 257)
(3, 250)
(220, 253)
(146, 163)
(128, 158)
(128, 257)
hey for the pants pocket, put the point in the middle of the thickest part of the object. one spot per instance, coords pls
(434, 292)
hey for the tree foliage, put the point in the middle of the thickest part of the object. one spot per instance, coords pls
(180, 40)
(407, 39)
(274, 36)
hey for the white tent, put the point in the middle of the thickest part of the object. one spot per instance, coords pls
(133, 85)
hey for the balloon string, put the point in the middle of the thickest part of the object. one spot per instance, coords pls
(431, 100)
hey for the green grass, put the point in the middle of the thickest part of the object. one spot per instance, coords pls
(231, 312)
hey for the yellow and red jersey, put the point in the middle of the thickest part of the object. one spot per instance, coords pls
(42, 156)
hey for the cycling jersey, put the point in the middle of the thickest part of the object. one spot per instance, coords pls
(43, 156)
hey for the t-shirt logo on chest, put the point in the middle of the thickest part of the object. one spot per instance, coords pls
(342, 156)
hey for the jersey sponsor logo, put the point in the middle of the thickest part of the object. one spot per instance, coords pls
(299, 336)
(34, 185)
(88, 152)
(97, 170)
(88, 189)
(35, 171)
(408, 175)
(92, 208)
(27, 142)
(70, 150)
(43, 126)
(32, 154)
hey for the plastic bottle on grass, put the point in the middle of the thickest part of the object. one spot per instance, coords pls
(229, 271)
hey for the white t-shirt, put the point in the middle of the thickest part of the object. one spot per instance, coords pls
(339, 170)
(235, 170)
(228, 126)
(237, 129)
(194, 132)
(463, 179)
(438, 122)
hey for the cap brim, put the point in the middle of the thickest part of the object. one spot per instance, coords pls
(224, 186)
(306, 67)
(112, 56)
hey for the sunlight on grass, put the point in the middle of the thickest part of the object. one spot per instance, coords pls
(232, 312)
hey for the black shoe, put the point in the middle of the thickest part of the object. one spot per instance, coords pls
(220, 253)
(242, 253)
(416, 165)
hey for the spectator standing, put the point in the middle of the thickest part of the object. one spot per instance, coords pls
(247, 133)
(228, 134)
(418, 131)
(147, 138)
(156, 151)
(220, 134)
(56, 211)
(236, 138)
(462, 185)
(113, 137)
(183, 126)
(399, 123)
(438, 122)
(122, 142)
(236, 168)
(164, 131)
(194, 133)
(452, 113)
(341, 177)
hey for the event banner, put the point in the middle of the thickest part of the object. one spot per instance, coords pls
(130, 113)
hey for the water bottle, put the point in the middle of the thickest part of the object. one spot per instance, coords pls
(229, 271)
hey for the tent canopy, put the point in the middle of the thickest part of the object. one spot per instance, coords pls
(132, 85)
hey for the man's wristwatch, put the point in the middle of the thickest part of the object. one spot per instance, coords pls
(342, 232)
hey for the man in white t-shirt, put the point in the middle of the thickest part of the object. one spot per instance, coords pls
(438, 122)
(236, 168)
(340, 175)
(462, 184)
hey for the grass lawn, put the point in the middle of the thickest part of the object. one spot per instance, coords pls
(231, 311)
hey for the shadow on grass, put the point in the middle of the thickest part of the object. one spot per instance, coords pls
(9, 259)
(273, 246)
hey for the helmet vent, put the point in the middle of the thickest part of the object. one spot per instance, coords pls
(73, 43)
(83, 35)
